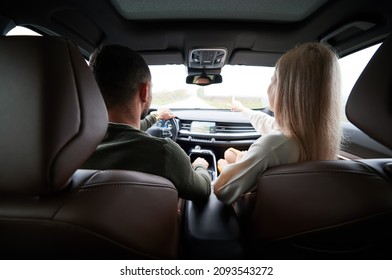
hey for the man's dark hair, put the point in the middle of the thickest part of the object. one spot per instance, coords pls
(119, 71)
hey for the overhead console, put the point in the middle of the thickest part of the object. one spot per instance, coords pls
(207, 58)
(204, 66)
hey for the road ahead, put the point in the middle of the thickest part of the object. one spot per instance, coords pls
(191, 102)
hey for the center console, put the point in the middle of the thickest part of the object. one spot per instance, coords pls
(211, 229)
(209, 156)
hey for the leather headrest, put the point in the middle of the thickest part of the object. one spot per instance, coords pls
(52, 114)
(369, 105)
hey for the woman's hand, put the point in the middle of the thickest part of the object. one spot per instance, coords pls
(221, 163)
(240, 155)
(231, 155)
(236, 106)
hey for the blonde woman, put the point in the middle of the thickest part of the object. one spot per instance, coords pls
(304, 95)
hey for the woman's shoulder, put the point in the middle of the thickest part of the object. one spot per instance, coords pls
(276, 140)
(278, 145)
(275, 136)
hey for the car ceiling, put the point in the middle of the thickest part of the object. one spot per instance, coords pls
(254, 32)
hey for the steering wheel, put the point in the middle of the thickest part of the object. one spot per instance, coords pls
(165, 128)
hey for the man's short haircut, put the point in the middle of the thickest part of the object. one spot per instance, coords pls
(119, 72)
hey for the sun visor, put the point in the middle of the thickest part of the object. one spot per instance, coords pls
(162, 57)
(247, 57)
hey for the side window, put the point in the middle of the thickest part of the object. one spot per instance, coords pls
(351, 67)
(19, 30)
(357, 144)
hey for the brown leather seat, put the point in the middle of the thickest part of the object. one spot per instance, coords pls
(52, 118)
(323, 210)
(330, 209)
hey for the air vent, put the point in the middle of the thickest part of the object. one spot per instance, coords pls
(225, 132)
(207, 58)
(186, 125)
(224, 127)
(234, 128)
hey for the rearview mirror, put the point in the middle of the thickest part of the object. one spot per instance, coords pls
(204, 79)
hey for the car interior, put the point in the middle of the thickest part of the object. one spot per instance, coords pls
(53, 117)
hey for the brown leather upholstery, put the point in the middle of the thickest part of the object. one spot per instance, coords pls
(372, 96)
(330, 209)
(53, 117)
(327, 209)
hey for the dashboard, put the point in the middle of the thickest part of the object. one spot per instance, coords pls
(215, 127)
(209, 130)
(216, 130)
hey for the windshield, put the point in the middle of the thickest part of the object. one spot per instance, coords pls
(247, 84)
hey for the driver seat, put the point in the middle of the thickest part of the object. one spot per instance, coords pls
(53, 117)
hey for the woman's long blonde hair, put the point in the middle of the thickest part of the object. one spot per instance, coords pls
(307, 100)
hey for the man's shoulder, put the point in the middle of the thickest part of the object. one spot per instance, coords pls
(129, 136)
(125, 132)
